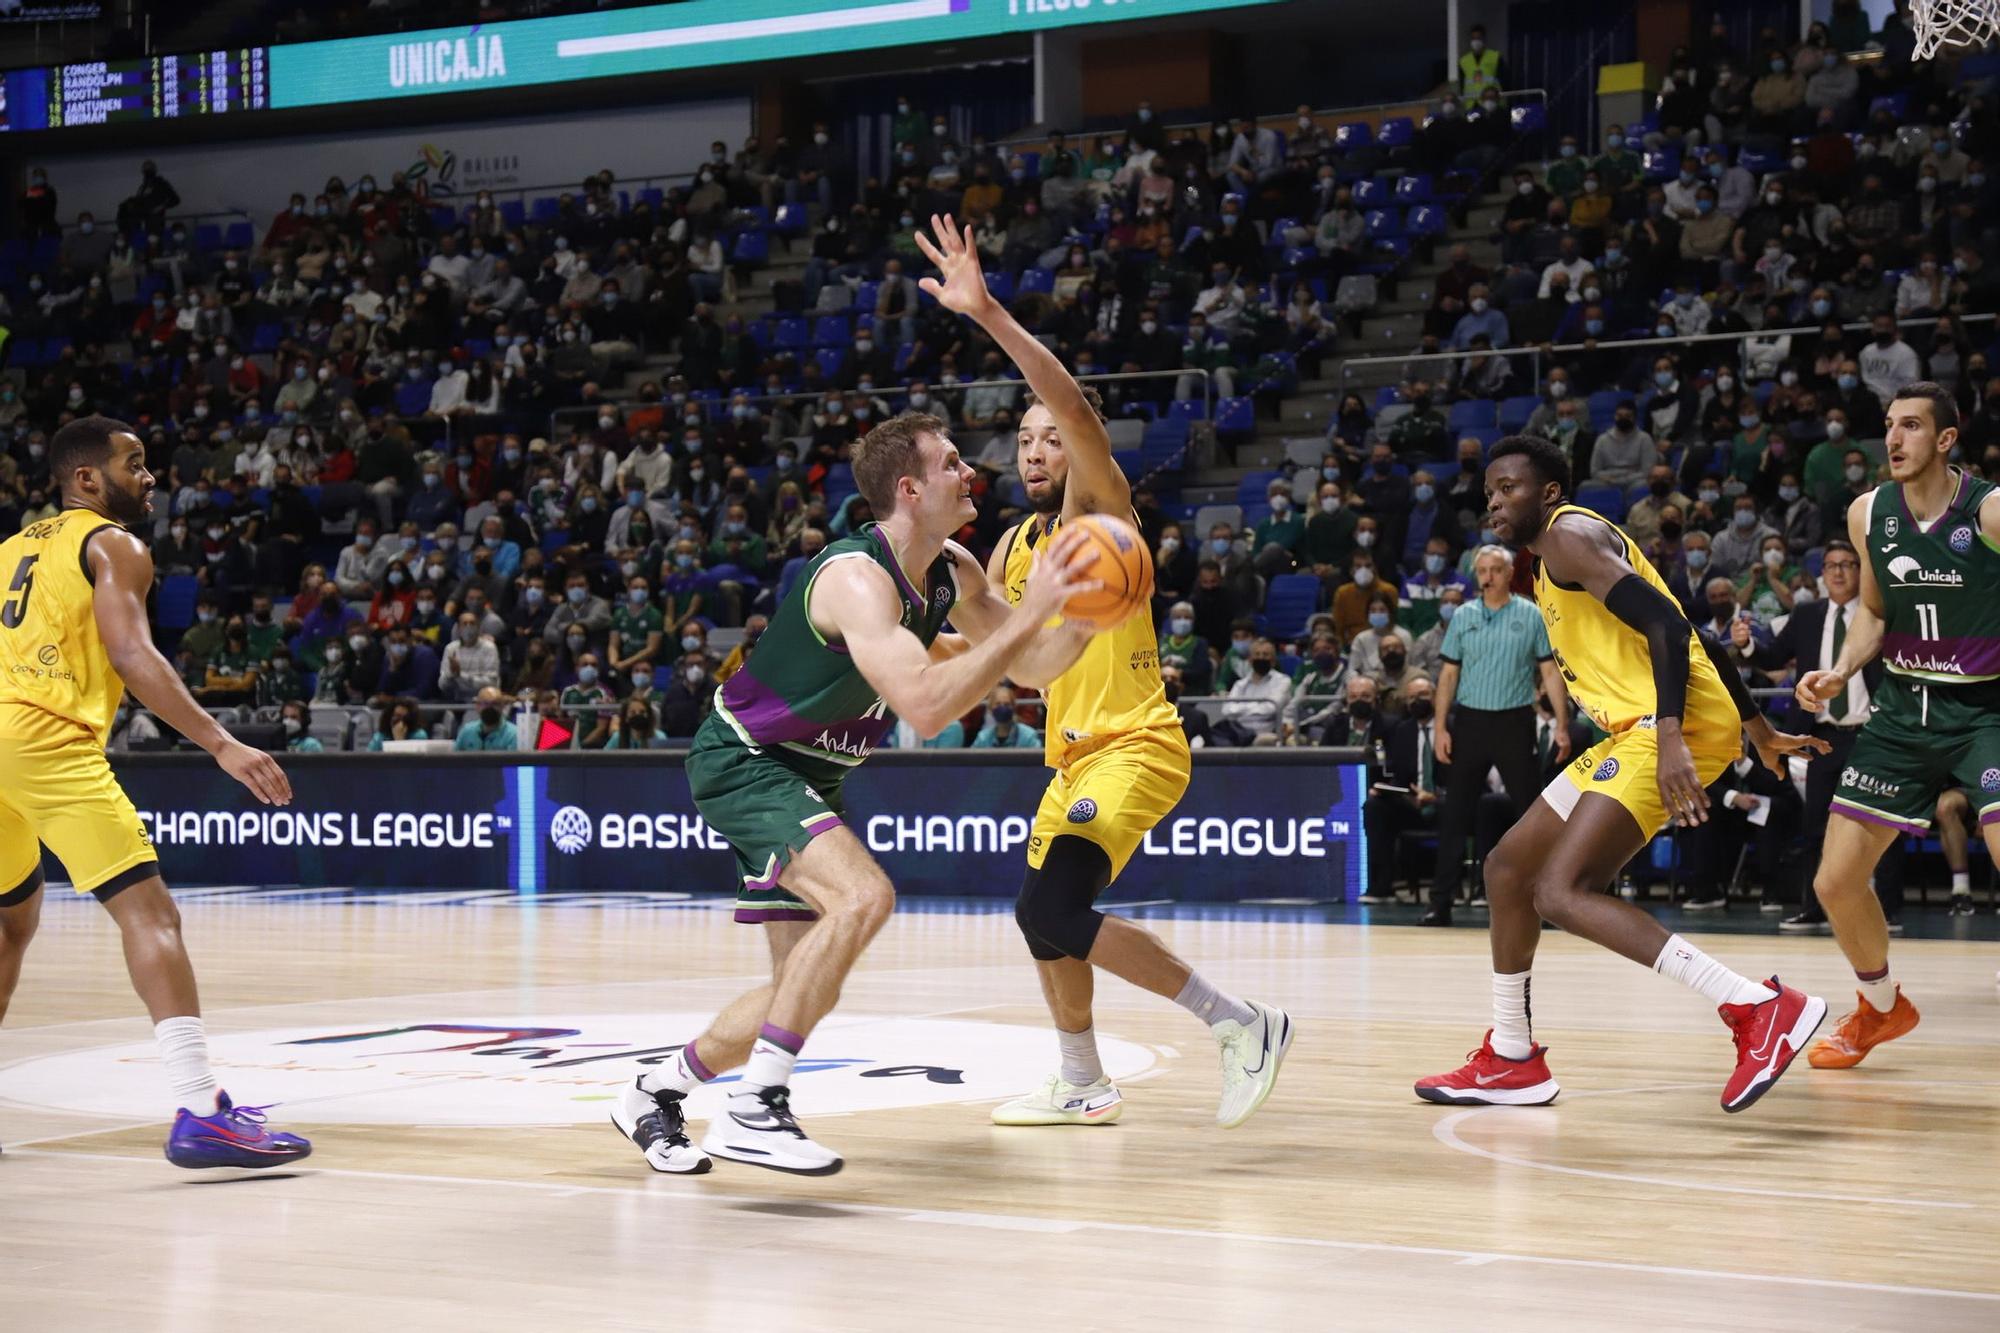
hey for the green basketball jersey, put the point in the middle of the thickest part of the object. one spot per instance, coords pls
(801, 696)
(1940, 584)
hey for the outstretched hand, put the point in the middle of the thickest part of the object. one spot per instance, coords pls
(963, 286)
(1773, 749)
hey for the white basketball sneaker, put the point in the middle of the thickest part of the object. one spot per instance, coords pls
(758, 1129)
(1250, 1059)
(655, 1122)
(1058, 1102)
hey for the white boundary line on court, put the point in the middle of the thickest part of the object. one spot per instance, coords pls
(1028, 1221)
(1445, 1131)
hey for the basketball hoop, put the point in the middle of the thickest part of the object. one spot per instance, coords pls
(1965, 24)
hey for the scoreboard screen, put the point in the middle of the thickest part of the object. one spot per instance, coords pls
(150, 88)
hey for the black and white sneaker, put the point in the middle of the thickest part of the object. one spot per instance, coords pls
(1705, 900)
(757, 1128)
(1961, 904)
(655, 1122)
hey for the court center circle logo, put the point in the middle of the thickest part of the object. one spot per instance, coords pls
(506, 1070)
(570, 830)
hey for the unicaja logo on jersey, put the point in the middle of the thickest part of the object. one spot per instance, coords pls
(1891, 526)
(1961, 539)
(1909, 572)
(1606, 771)
(570, 830)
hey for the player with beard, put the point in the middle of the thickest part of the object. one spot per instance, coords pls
(1120, 757)
(73, 638)
(1676, 710)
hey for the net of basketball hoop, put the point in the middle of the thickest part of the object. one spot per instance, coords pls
(1958, 25)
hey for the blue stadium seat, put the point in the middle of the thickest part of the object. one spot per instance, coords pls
(1488, 436)
(1514, 412)
(1606, 500)
(554, 540)
(444, 217)
(1763, 161)
(239, 236)
(829, 359)
(1297, 255)
(831, 331)
(1254, 486)
(793, 220)
(1035, 282)
(1371, 193)
(25, 351)
(1425, 220)
(867, 294)
(1660, 164)
(1472, 414)
(653, 197)
(175, 606)
(1191, 409)
(1414, 188)
(1130, 461)
(1289, 603)
(1529, 117)
(1353, 135)
(1383, 223)
(1396, 132)
(1896, 104)
(793, 335)
(752, 249)
(514, 213)
(1603, 403)
(544, 209)
(413, 398)
(207, 238)
(1001, 286)
(479, 347)
(1235, 416)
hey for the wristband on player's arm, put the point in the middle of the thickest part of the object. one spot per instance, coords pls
(1649, 611)
(1732, 679)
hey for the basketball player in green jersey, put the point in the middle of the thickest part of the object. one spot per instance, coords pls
(859, 638)
(1930, 539)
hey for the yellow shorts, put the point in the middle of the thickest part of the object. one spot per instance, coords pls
(59, 791)
(1626, 768)
(1113, 796)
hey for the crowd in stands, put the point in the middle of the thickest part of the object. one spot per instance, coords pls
(399, 462)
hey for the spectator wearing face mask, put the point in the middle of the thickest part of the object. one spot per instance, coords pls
(1405, 784)
(1235, 663)
(1186, 650)
(1365, 653)
(400, 720)
(1278, 536)
(1002, 729)
(1316, 695)
(490, 729)
(636, 724)
(594, 727)
(580, 609)
(1433, 576)
(1888, 362)
(409, 667)
(1738, 546)
(1351, 600)
(297, 722)
(1645, 519)
(689, 696)
(1257, 699)
(471, 661)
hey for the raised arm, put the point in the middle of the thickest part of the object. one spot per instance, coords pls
(1095, 485)
(856, 603)
(122, 571)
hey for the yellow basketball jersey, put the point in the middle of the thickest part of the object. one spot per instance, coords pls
(1605, 662)
(1114, 687)
(52, 663)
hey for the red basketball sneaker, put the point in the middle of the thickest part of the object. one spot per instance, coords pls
(1768, 1037)
(1491, 1079)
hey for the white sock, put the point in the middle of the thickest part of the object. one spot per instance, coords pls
(1513, 1029)
(1691, 967)
(1080, 1064)
(681, 1074)
(771, 1061)
(184, 1052)
(1212, 1006)
(1878, 988)
(1961, 881)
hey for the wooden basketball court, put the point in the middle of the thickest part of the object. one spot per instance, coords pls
(484, 1188)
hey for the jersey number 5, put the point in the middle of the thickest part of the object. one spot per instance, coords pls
(15, 609)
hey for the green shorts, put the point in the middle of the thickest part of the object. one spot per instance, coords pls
(1920, 739)
(767, 810)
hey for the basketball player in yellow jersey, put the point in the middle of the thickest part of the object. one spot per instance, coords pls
(1116, 744)
(1676, 710)
(73, 638)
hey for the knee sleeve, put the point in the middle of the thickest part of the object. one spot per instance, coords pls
(1054, 910)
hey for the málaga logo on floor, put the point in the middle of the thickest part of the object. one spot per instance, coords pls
(541, 1069)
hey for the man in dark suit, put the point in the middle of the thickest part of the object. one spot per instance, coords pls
(1812, 639)
(1405, 793)
(1748, 805)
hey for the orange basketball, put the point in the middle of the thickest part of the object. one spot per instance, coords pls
(1121, 563)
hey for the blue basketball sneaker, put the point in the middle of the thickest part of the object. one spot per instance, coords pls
(233, 1136)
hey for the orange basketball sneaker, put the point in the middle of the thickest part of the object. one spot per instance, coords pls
(1861, 1032)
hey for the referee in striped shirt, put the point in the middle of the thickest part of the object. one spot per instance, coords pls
(1491, 654)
